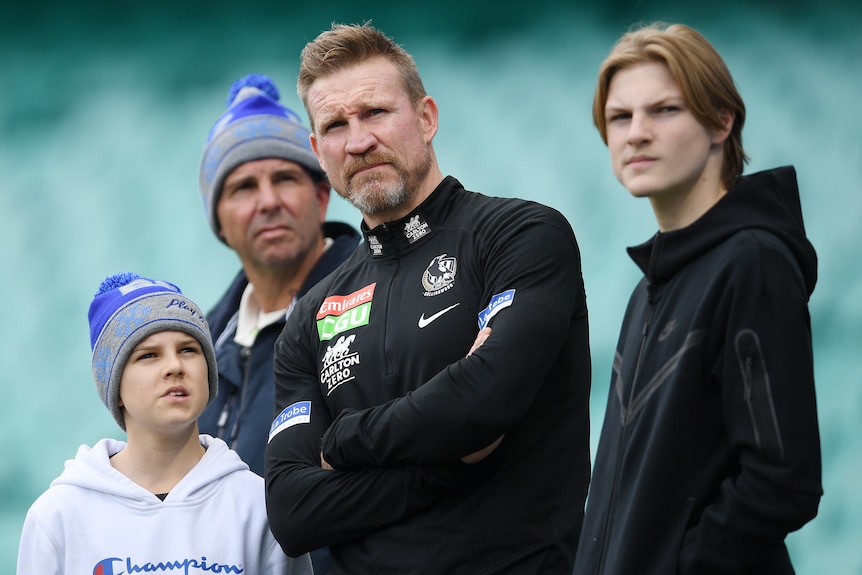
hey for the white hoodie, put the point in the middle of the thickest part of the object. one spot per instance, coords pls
(93, 519)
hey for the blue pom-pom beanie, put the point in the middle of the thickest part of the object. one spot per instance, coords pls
(126, 310)
(254, 127)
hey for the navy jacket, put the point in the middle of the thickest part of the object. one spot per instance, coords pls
(243, 410)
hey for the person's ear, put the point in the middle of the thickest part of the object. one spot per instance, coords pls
(323, 191)
(726, 117)
(428, 115)
(315, 148)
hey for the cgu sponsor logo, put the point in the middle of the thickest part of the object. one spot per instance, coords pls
(338, 314)
(185, 566)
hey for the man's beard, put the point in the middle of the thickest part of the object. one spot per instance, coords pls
(373, 195)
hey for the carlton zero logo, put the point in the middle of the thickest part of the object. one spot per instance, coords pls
(339, 313)
(416, 228)
(338, 363)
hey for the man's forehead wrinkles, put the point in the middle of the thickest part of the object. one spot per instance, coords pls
(370, 91)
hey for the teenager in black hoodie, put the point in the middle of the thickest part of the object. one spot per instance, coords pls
(710, 451)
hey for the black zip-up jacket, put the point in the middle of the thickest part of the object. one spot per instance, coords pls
(710, 450)
(243, 409)
(372, 361)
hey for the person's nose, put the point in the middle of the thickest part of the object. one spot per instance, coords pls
(173, 365)
(360, 139)
(267, 197)
(640, 129)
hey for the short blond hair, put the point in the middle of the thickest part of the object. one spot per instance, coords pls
(344, 45)
(698, 69)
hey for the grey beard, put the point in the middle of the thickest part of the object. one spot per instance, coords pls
(390, 197)
(381, 200)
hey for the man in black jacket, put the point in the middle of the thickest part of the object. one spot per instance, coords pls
(265, 197)
(445, 365)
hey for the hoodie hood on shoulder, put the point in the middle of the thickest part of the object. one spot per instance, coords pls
(767, 200)
(91, 469)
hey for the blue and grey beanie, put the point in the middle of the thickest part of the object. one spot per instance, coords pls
(126, 310)
(254, 127)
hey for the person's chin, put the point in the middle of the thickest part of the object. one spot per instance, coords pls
(641, 191)
(272, 235)
(277, 257)
(639, 186)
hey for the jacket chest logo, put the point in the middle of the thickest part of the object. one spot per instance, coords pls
(415, 228)
(339, 313)
(637, 398)
(439, 276)
(338, 363)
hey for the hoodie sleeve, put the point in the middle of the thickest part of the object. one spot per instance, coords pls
(277, 563)
(767, 380)
(529, 255)
(38, 551)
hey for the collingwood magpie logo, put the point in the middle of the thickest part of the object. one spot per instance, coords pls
(439, 276)
(118, 566)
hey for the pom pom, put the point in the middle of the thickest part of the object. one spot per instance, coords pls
(258, 81)
(116, 281)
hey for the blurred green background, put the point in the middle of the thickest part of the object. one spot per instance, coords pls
(104, 108)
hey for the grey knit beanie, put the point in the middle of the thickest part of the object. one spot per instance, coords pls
(126, 310)
(254, 127)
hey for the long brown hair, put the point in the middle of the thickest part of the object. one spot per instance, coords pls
(700, 72)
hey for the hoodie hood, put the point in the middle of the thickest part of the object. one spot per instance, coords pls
(91, 469)
(767, 200)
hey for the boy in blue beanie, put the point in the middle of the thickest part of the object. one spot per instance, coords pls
(167, 496)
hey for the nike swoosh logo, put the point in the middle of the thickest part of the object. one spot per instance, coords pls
(424, 321)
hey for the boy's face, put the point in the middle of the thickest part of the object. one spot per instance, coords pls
(658, 148)
(165, 385)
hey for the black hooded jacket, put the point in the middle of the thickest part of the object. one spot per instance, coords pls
(710, 451)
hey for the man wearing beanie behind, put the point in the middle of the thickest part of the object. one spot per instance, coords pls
(265, 196)
(167, 495)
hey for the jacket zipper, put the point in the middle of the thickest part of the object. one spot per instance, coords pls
(622, 441)
(224, 416)
(389, 294)
(624, 413)
(245, 356)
